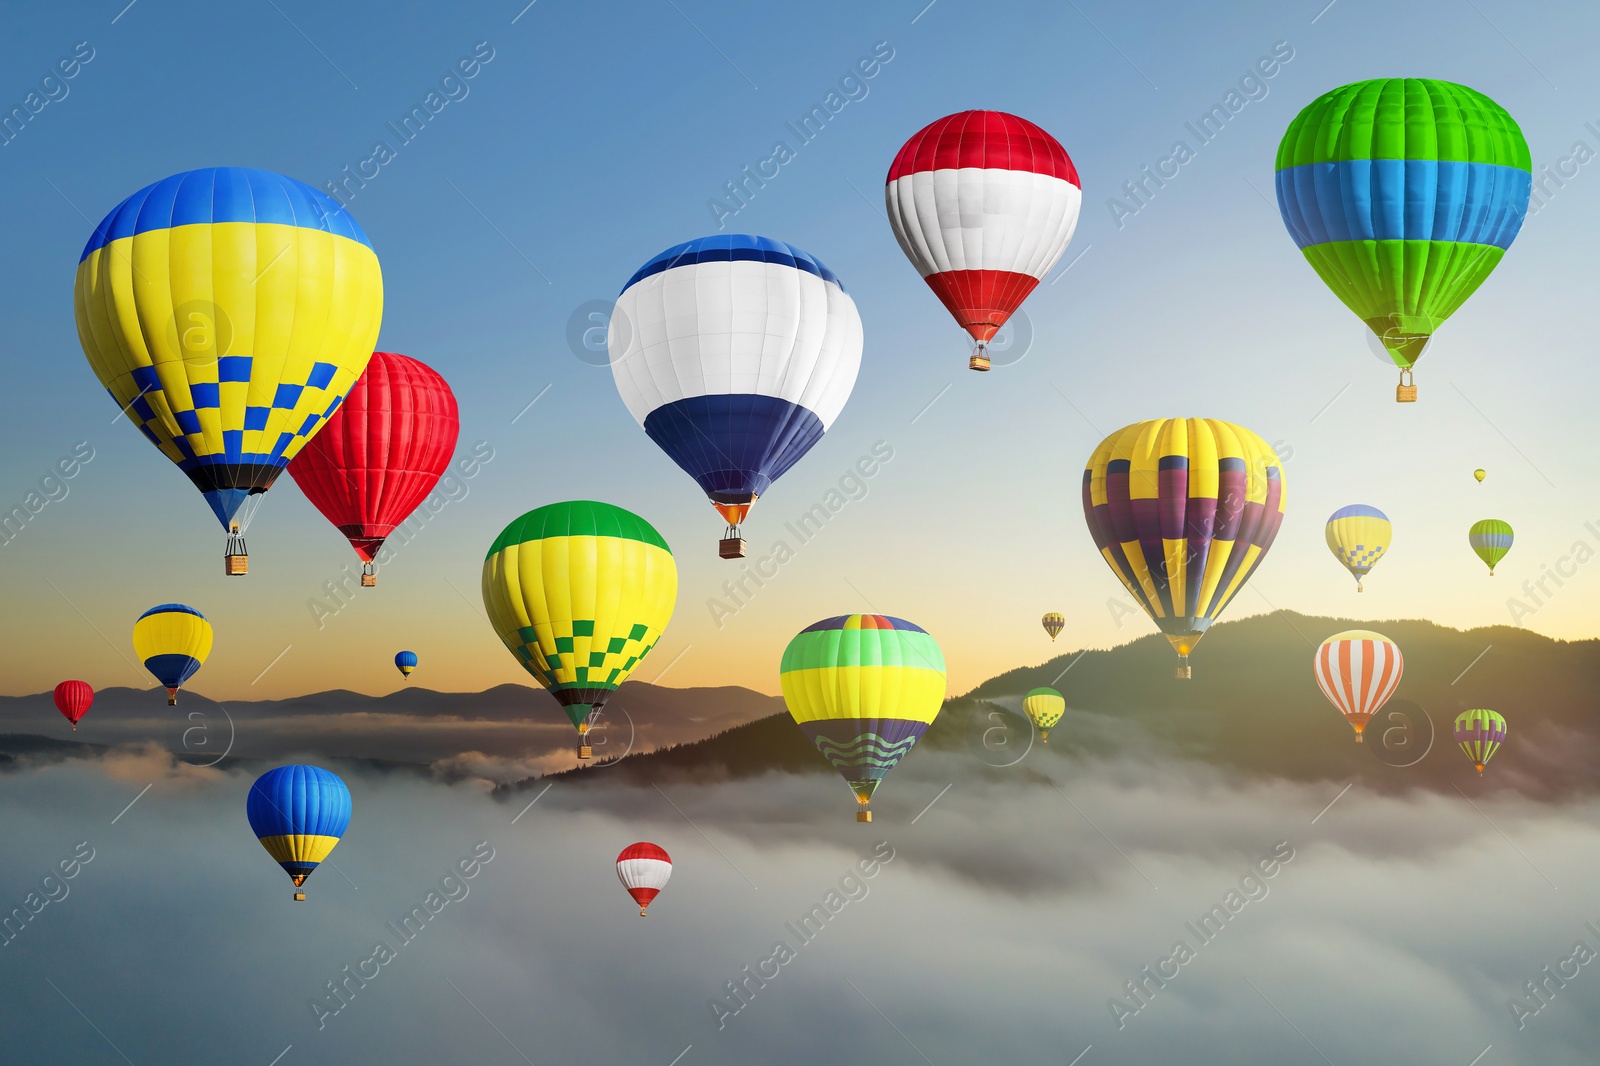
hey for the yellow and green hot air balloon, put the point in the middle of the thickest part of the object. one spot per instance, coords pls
(1480, 474)
(1480, 733)
(1045, 707)
(1183, 510)
(863, 687)
(172, 641)
(1358, 536)
(228, 311)
(580, 593)
(1054, 622)
(1403, 194)
(1490, 539)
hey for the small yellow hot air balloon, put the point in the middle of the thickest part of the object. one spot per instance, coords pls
(1045, 707)
(1480, 474)
(1054, 622)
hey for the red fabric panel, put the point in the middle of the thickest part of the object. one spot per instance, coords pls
(644, 850)
(981, 300)
(989, 140)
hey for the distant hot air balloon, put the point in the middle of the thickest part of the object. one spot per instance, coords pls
(1480, 474)
(1358, 536)
(1053, 623)
(381, 453)
(1183, 511)
(1403, 194)
(1480, 733)
(1045, 707)
(73, 700)
(983, 204)
(298, 813)
(1358, 670)
(1490, 539)
(405, 662)
(580, 592)
(643, 869)
(863, 687)
(227, 311)
(173, 641)
(735, 353)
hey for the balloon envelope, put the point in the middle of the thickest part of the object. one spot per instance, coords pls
(228, 311)
(1480, 733)
(1490, 539)
(1358, 536)
(1183, 510)
(298, 813)
(1044, 707)
(1053, 622)
(405, 662)
(1480, 474)
(73, 700)
(643, 869)
(1358, 670)
(173, 641)
(382, 452)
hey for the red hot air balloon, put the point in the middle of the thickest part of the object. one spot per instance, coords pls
(983, 204)
(643, 869)
(73, 700)
(381, 453)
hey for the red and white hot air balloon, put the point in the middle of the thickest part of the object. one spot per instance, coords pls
(1358, 671)
(381, 453)
(643, 869)
(73, 700)
(983, 204)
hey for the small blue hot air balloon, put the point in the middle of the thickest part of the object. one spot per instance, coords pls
(298, 813)
(405, 662)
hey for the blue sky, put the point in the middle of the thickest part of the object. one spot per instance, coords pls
(594, 138)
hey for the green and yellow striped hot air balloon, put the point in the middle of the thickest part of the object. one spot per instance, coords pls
(580, 593)
(863, 687)
(1480, 733)
(1403, 194)
(1491, 539)
(1044, 707)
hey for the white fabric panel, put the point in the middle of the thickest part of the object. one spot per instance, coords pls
(977, 219)
(735, 327)
(644, 873)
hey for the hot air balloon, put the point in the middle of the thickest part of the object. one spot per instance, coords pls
(983, 204)
(405, 662)
(1045, 707)
(1183, 511)
(580, 592)
(1053, 623)
(735, 353)
(73, 700)
(1358, 670)
(1403, 194)
(1491, 539)
(1480, 733)
(1358, 536)
(380, 454)
(173, 641)
(298, 813)
(863, 687)
(227, 311)
(643, 869)
(1480, 474)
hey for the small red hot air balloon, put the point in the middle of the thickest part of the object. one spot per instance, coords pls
(381, 453)
(643, 869)
(73, 700)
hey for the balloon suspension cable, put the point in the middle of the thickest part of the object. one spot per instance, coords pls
(247, 511)
(980, 358)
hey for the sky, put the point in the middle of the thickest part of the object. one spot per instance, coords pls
(591, 138)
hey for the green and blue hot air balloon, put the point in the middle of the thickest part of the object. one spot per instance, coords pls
(1403, 194)
(298, 813)
(1490, 539)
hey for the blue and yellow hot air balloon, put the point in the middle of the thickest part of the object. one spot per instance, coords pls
(863, 687)
(298, 813)
(172, 641)
(1490, 539)
(579, 592)
(405, 662)
(1358, 536)
(228, 311)
(1403, 194)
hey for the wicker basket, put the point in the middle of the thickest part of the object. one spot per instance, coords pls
(369, 581)
(731, 547)
(585, 751)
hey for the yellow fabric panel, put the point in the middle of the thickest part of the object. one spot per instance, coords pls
(1204, 451)
(172, 633)
(299, 847)
(824, 693)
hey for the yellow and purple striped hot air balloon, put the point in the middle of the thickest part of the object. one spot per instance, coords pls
(1054, 622)
(1183, 510)
(1403, 194)
(863, 687)
(1480, 733)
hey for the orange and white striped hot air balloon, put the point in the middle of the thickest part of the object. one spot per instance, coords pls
(1358, 671)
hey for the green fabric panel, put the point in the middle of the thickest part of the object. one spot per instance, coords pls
(1404, 118)
(578, 518)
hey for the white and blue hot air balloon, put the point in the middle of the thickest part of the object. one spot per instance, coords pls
(735, 353)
